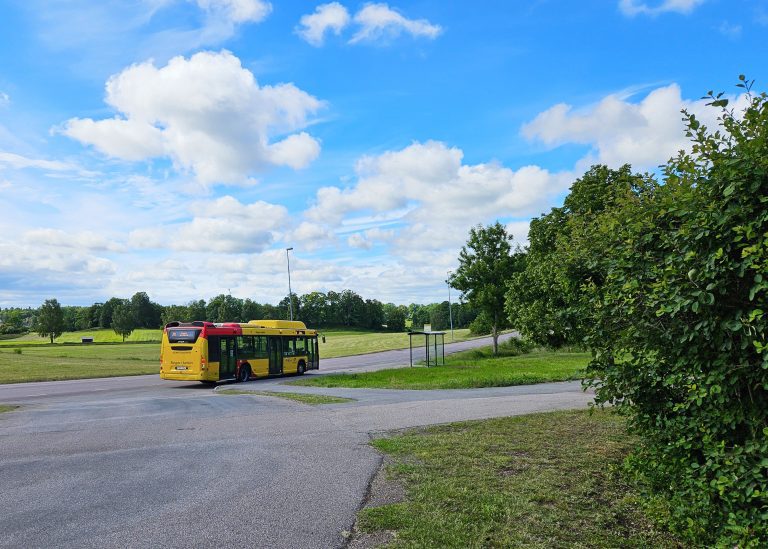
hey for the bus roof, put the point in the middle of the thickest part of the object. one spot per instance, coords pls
(279, 324)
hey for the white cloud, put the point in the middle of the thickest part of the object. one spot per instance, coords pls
(16, 161)
(332, 16)
(379, 21)
(208, 114)
(644, 134)
(730, 30)
(237, 11)
(423, 199)
(224, 225)
(309, 236)
(637, 7)
(5, 99)
(81, 240)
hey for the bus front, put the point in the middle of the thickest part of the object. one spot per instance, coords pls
(184, 352)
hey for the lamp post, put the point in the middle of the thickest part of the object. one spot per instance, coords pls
(450, 308)
(290, 294)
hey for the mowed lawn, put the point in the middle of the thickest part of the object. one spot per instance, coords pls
(99, 335)
(541, 480)
(349, 342)
(466, 370)
(56, 362)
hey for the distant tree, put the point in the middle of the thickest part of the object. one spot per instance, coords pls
(439, 316)
(50, 320)
(394, 317)
(105, 314)
(351, 309)
(373, 318)
(313, 308)
(486, 262)
(196, 310)
(12, 322)
(95, 314)
(251, 310)
(123, 321)
(270, 312)
(144, 311)
(83, 318)
(176, 313)
(70, 318)
(285, 311)
(224, 308)
(419, 315)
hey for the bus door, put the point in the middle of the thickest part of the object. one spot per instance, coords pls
(228, 361)
(312, 355)
(275, 355)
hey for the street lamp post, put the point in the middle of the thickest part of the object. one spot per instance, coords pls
(450, 308)
(290, 294)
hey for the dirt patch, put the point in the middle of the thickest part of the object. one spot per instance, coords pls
(383, 490)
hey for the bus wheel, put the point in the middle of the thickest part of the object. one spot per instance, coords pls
(245, 373)
(301, 368)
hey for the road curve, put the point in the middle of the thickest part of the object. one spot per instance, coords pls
(40, 391)
(180, 465)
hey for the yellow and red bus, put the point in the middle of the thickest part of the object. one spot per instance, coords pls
(211, 352)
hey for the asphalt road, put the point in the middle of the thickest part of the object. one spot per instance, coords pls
(43, 391)
(178, 465)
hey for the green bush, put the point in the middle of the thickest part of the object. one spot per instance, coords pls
(679, 330)
(516, 346)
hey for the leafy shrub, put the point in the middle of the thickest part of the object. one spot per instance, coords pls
(516, 346)
(680, 333)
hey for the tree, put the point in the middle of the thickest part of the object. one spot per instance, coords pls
(394, 317)
(123, 321)
(144, 311)
(12, 322)
(251, 310)
(486, 262)
(105, 312)
(178, 313)
(50, 320)
(224, 308)
(546, 300)
(196, 310)
(313, 308)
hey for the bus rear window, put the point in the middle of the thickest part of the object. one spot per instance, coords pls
(182, 335)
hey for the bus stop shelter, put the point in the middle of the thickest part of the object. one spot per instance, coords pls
(433, 345)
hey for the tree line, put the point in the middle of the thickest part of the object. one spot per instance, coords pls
(666, 283)
(344, 309)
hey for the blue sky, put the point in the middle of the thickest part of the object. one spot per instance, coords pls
(178, 147)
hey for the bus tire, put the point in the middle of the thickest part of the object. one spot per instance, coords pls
(244, 374)
(301, 368)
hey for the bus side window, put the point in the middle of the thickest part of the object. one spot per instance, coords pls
(260, 347)
(245, 347)
(301, 345)
(289, 346)
(214, 350)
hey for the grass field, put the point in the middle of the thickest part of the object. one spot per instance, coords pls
(543, 480)
(349, 342)
(55, 362)
(466, 370)
(100, 335)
